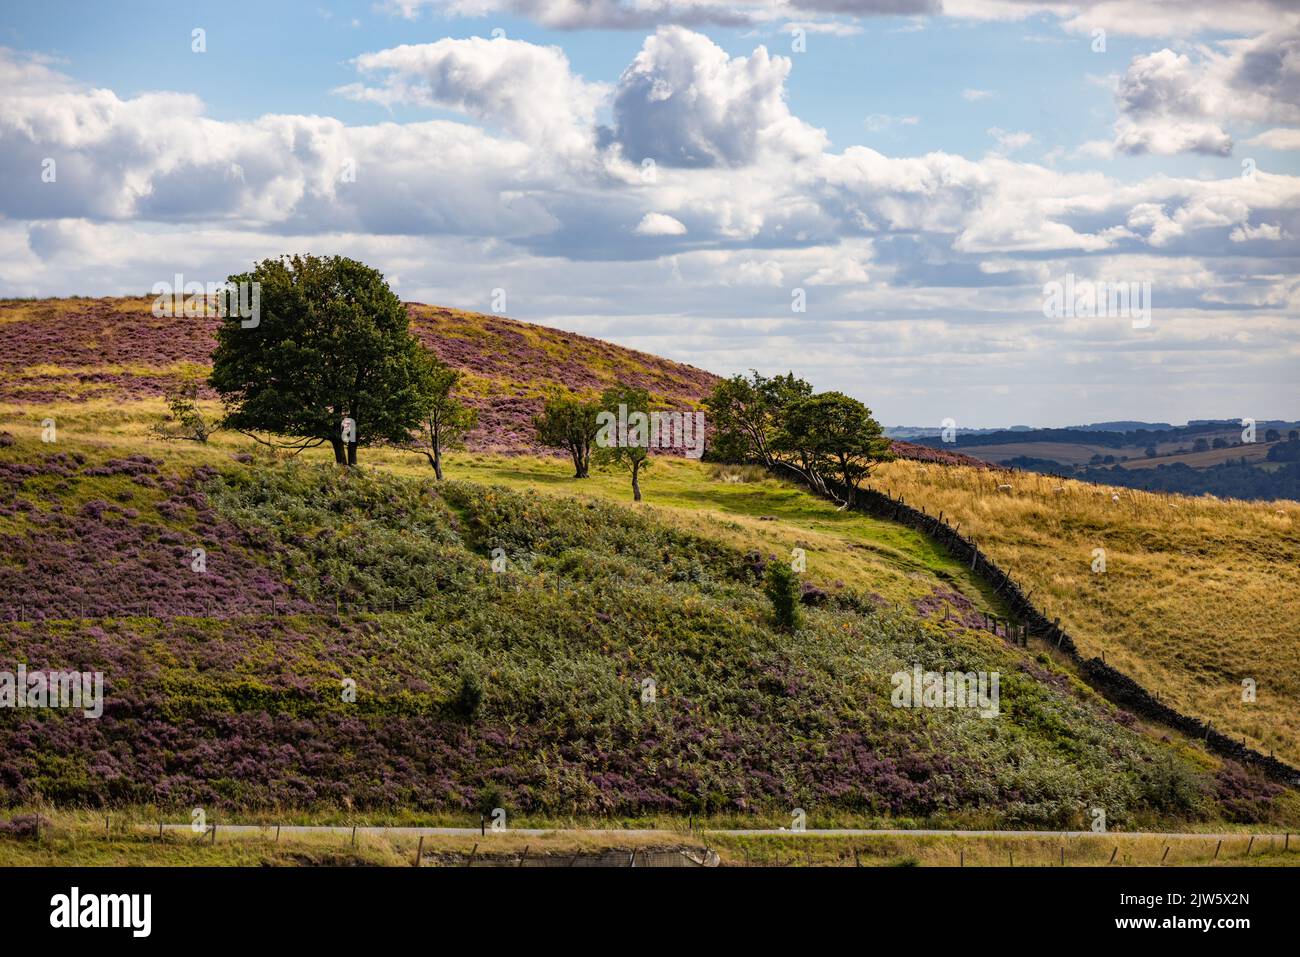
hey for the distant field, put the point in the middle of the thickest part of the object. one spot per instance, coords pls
(1081, 453)
(1198, 594)
(1254, 452)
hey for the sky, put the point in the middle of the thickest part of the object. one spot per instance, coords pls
(915, 202)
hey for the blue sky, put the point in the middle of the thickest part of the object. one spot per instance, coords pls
(920, 178)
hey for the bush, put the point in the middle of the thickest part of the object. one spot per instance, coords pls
(469, 697)
(781, 585)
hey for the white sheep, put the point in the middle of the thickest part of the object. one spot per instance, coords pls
(1115, 497)
(1004, 488)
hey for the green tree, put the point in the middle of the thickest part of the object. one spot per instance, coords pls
(570, 424)
(629, 407)
(832, 434)
(745, 414)
(446, 421)
(183, 410)
(331, 342)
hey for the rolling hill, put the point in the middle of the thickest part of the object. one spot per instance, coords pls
(522, 684)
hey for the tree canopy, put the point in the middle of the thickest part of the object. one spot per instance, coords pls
(569, 423)
(629, 407)
(330, 343)
(826, 435)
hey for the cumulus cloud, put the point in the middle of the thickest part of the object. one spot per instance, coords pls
(900, 254)
(659, 224)
(684, 102)
(1277, 139)
(1178, 102)
(527, 90)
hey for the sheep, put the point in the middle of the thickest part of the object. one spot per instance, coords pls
(1004, 488)
(1115, 497)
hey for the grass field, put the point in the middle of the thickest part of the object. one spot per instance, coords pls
(81, 839)
(1198, 594)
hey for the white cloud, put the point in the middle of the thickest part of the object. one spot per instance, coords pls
(684, 102)
(878, 122)
(1178, 102)
(1277, 139)
(527, 90)
(1247, 232)
(1009, 141)
(659, 224)
(972, 95)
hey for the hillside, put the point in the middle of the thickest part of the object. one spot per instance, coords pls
(520, 688)
(1198, 594)
(523, 686)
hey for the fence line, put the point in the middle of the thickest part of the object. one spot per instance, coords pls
(1107, 679)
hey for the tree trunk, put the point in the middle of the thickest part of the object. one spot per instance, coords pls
(340, 458)
(437, 462)
(636, 486)
(352, 453)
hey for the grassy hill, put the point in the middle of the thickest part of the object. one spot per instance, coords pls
(521, 688)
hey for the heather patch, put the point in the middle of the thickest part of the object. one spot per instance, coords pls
(249, 711)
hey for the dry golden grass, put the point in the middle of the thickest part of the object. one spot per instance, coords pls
(1198, 593)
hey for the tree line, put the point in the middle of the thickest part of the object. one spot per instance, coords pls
(330, 360)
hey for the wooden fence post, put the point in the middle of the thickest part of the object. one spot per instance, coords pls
(1218, 847)
(419, 851)
(1113, 853)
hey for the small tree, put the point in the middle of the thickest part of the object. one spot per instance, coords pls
(446, 420)
(623, 407)
(184, 419)
(745, 414)
(781, 585)
(570, 424)
(331, 344)
(833, 434)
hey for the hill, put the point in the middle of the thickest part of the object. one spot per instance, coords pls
(114, 354)
(523, 685)
(520, 686)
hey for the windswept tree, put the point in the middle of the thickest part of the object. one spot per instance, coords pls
(832, 435)
(623, 438)
(570, 424)
(745, 415)
(446, 420)
(330, 347)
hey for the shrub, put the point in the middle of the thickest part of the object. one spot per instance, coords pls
(781, 586)
(469, 696)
